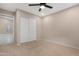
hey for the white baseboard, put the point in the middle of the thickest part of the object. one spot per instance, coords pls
(67, 45)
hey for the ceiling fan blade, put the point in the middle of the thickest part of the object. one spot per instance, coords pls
(39, 9)
(48, 6)
(34, 4)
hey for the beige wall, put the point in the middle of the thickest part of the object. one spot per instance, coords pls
(63, 27)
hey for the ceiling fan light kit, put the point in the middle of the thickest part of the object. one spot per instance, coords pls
(42, 6)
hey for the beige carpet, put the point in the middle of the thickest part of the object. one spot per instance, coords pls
(37, 48)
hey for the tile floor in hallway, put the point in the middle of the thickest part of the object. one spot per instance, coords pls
(37, 48)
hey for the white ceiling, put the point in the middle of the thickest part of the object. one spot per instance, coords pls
(34, 9)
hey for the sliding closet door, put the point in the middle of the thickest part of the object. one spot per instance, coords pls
(32, 28)
(27, 29)
(24, 31)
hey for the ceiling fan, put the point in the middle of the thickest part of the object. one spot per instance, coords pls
(42, 6)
